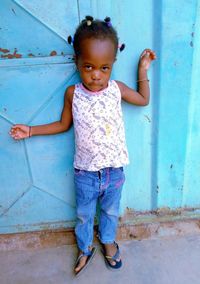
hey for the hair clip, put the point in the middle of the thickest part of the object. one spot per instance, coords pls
(121, 47)
(70, 40)
(108, 21)
(89, 20)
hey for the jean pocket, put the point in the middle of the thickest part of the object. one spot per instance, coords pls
(118, 177)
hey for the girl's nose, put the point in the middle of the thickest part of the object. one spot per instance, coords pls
(96, 75)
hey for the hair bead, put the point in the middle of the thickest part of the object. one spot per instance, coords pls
(70, 40)
(89, 20)
(121, 47)
(108, 21)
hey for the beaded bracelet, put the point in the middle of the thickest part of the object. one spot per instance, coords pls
(29, 134)
(142, 80)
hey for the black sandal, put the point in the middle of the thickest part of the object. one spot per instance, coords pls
(90, 257)
(118, 263)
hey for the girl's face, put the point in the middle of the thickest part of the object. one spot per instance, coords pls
(95, 63)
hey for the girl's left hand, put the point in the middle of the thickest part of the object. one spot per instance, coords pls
(145, 58)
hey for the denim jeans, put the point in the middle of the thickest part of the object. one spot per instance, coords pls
(103, 186)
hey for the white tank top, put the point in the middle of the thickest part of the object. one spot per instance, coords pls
(99, 128)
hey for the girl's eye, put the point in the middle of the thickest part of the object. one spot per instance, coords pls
(105, 68)
(88, 68)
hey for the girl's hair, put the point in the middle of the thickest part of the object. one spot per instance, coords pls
(97, 29)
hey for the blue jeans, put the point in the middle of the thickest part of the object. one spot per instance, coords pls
(103, 186)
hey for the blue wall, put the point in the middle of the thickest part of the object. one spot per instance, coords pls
(36, 175)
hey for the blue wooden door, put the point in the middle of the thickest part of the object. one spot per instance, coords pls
(36, 67)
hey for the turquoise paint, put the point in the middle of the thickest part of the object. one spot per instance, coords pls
(176, 65)
(192, 161)
(36, 175)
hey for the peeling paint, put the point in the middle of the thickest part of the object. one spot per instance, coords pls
(7, 56)
(4, 50)
(53, 53)
(10, 55)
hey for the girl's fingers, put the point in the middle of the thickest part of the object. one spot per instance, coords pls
(143, 53)
(17, 133)
(17, 137)
(153, 54)
(148, 53)
(13, 130)
(22, 127)
(16, 126)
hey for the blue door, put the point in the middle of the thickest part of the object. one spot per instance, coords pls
(36, 67)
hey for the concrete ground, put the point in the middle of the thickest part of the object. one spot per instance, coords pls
(174, 260)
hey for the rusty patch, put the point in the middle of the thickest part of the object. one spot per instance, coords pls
(18, 55)
(4, 50)
(133, 225)
(11, 56)
(53, 53)
(131, 231)
(35, 240)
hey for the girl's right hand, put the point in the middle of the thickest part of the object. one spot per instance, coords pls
(20, 131)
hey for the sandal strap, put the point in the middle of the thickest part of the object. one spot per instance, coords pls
(116, 255)
(83, 254)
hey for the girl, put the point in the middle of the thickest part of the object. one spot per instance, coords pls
(94, 106)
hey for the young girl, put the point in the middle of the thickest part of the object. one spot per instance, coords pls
(94, 106)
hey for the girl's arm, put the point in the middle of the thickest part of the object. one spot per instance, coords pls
(141, 96)
(21, 131)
